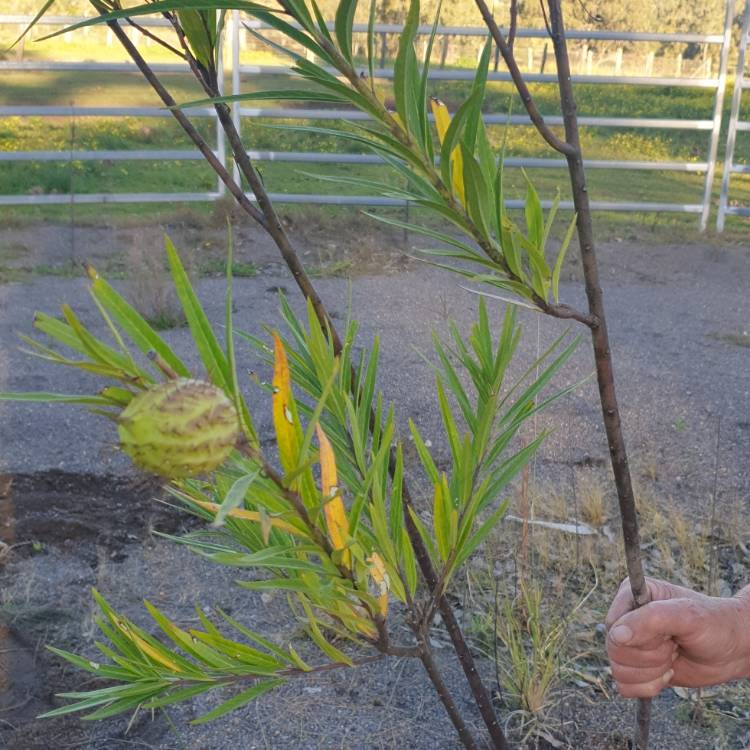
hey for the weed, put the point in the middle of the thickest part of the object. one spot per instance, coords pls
(736, 339)
(151, 290)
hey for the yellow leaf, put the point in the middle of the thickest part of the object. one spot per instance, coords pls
(442, 118)
(442, 123)
(146, 647)
(336, 521)
(380, 580)
(252, 515)
(284, 412)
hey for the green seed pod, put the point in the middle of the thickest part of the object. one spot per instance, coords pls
(179, 429)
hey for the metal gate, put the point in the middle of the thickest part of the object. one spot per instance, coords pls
(735, 125)
(707, 167)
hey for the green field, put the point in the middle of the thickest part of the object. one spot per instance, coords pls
(126, 89)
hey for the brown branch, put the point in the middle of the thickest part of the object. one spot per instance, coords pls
(520, 83)
(600, 340)
(155, 38)
(513, 23)
(186, 124)
(431, 667)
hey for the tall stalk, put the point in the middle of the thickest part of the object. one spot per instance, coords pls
(571, 149)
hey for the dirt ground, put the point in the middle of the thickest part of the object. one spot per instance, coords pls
(72, 515)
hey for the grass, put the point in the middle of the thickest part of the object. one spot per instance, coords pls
(546, 652)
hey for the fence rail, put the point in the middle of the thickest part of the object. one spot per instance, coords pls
(706, 167)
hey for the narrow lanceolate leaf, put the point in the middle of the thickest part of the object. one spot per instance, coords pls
(285, 421)
(208, 345)
(200, 30)
(250, 515)
(380, 581)
(132, 323)
(343, 26)
(406, 74)
(561, 257)
(239, 700)
(336, 521)
(456, 164)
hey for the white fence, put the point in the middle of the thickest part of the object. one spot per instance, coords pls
(735, 125)
(707, 167)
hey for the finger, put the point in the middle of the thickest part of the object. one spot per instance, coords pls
(645, 689)
(642, 628)
(641, 657)
(625, 675)
(624, 601)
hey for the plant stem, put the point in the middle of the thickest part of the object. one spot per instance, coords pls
(428, 660)
(600, 340)
(465, 657)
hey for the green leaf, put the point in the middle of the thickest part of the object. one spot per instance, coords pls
(424, 455)
(239, 700)
(343, 26)
(481, 534)
(133, 323)
(561, 257)
(534, 215)
(235, 498)
(205, 339)
(478, 88)
(47, 5)
(406, 84)
(43, 397)
(200, 31)
(307, 95)
(478, 192)
(371, 43)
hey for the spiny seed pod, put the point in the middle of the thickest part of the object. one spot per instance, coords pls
(179, 429)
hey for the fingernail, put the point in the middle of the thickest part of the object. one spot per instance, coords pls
(621, 635)
(675, 654)
(668, 676)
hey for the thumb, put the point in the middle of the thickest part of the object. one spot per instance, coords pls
(656, 621)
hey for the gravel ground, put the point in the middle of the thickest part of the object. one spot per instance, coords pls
(678, 319)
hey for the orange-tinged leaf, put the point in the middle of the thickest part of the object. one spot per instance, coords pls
(335, 513)
(380, 580)
(285, 420)
(251, 515)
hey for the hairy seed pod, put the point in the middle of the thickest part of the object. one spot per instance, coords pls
(179, 429)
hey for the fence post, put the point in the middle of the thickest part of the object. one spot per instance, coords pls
(650, 63)
(734, 117)
(718, 112)
(618, 61)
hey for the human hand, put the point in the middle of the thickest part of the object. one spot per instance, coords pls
(681, 638)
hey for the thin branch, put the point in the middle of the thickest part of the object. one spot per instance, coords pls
(600, 341)
(186, 124)
(513, 23)
(156, 38)
(520, 83)
(431, 667)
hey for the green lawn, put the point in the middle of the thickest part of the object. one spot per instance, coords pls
(124, 89)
